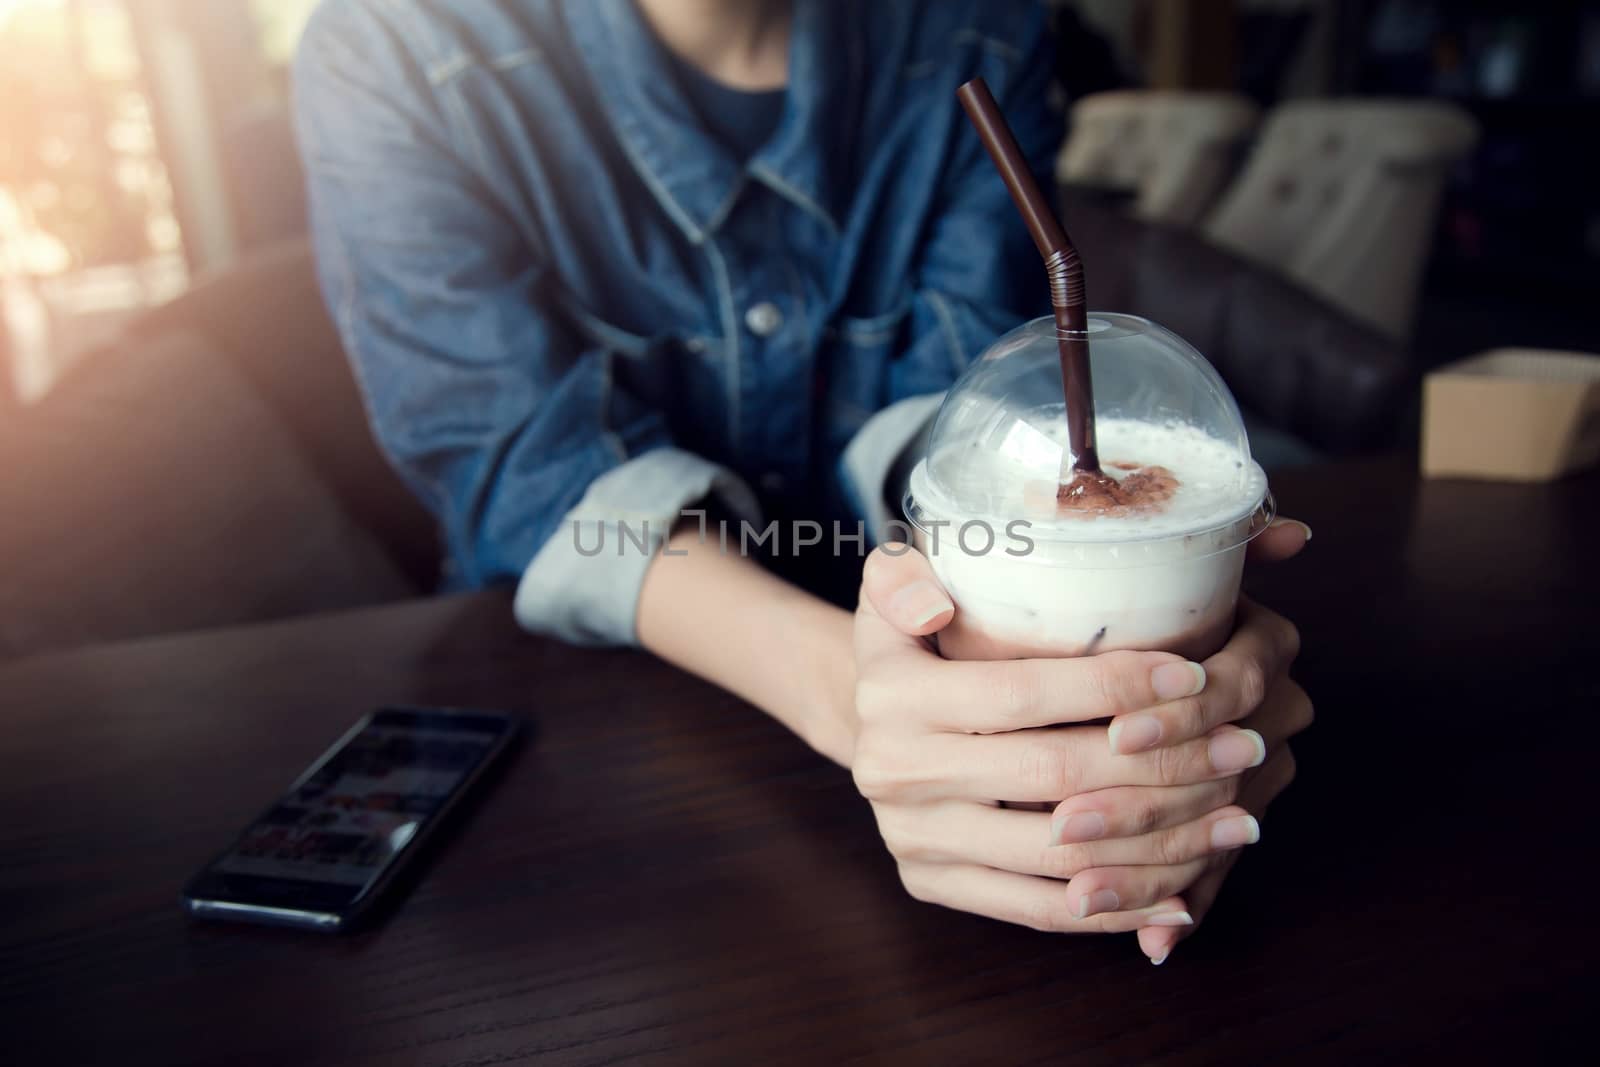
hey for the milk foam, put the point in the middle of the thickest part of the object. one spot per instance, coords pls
(1001, 481)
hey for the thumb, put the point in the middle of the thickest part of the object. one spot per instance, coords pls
(899, 584)
(1281, 540)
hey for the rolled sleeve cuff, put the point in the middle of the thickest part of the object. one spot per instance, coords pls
(583, 586)
(872, 455)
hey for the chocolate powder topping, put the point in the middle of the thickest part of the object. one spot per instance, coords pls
(1145, 489)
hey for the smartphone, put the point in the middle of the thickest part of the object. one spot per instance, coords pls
(322, 855)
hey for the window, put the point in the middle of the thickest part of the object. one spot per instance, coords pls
(88, 233)
(280, 23)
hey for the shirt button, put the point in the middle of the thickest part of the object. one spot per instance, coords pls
(764, 319)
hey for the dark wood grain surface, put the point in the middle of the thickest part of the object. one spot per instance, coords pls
(664, 875)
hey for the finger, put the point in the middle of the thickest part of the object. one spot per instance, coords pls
(1274, 777)
(1276, 774)
(900, 584)
(879, 642)
(1281, 540)
(1050, 765)
(1286, 712)
(1118, 890)
(1133, 810)
(1158, 941)
(1235, 682)
(992, 696)
(1018, 841)
(1039, 903)
(999, 696)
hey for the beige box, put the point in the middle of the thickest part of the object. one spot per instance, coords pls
(1516, 414)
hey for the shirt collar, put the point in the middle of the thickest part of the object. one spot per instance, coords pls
(695, 178)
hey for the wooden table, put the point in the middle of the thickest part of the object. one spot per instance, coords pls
(666, 875)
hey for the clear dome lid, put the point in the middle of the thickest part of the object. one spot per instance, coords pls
(997, 447)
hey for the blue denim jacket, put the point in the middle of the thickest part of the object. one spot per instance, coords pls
(568, 307)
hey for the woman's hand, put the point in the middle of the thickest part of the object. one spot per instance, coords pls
(1248, 677)
(941, 741)
(1258, 790)
(1285, 711)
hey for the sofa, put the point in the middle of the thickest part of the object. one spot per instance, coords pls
(1344, 195)
(210, 466)
(1173, 151)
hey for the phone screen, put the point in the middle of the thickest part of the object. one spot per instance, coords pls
(339, 830)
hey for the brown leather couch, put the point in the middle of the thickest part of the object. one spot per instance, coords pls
(211, 466)
(214, 466)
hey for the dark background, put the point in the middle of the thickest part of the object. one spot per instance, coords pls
(1516, 259)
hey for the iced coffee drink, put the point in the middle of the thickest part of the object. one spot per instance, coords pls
(1088, 485)
(1150, 558)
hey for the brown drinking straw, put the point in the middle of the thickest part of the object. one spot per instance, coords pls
(1060, 261)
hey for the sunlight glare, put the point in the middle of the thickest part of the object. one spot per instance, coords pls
(8, 8)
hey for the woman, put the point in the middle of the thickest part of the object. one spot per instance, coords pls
(600, 262)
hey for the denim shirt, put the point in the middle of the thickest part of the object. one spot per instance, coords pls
(568, 307)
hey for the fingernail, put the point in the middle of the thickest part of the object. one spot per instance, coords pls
(1098, 901)
(1294, 522)
(920, 602)
(1173, 680)
(1171, 918)
(1079, 826)
(1134, 733)
(1237, 750)
(1235, 832)
(1159, 960)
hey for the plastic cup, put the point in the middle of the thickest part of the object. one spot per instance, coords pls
(1031, 578)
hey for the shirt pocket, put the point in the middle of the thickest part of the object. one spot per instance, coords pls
(863, 348)
(598, 332)
(605, 335)
(874, 331)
